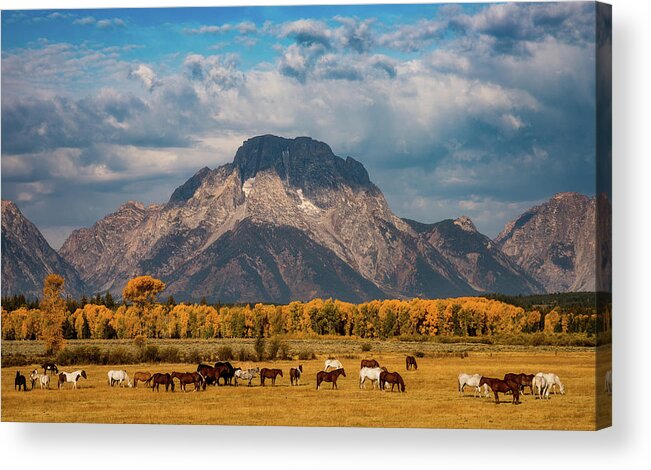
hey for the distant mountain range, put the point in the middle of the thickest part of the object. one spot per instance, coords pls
(289, 220)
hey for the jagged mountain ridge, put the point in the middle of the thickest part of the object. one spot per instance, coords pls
(27, 258)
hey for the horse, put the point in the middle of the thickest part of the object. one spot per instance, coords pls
(161, 378)
(269, 374)
(499, 385)
(410, 361)
(524, 380)
(247, 374)
(472, 381)
(608, 382)
(185, 378)
(331, 376)
(552, 382)
(334, 363)
(20, 381)
(119, 377)
(140, 376)
(50, 366)
(370, 363)
(392, 378)
(71, 377)
(295, 375)
(209, 374)
(226, 371)
(43, 379)
(539, 387)
(372, 374)
(33, 377)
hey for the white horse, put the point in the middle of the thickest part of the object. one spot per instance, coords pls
(372, 374)
(248, 374)
(608, 382)
(333, 363)
(119, 377)
(552, 380)
(539, 386)
(43, 379)
(472, 381)
(71, 377)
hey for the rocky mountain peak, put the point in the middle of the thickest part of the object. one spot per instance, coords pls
(465, 223)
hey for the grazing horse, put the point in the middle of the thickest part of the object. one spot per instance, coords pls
(524, 380)
(119, 377)
(332, 363)
(50, 366)
(392, 378)
(140, 377)
(295, 375)
(410, 361)
(331, 376)
(608, 382)
(247, 374)
(226, 371)
(269, 374)
(499, 385)
(539, 387)
(370, 363)
(161, 378)
(552, 382)
(71, 377)
(372, 374)
(209, 374)
(185, 378)
(20, 381)
(472, 381)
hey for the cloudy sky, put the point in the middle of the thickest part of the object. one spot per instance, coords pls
(476, 109)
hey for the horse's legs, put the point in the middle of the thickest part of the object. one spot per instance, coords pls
(497, 399)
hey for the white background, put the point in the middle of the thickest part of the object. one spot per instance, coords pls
(623, 445)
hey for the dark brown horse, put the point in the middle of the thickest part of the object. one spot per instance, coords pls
(50, 366)
(392, 378)
(20, 381)
(295, 375)
(159, 378)
(331, 376)
(140, 377)
(209, 374)
(523, 380)
(411, 363)
(186, 378)
(502, 386)
(226, 371)
(269, 374)
(369, 363)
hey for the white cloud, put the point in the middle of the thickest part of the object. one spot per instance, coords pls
(146, 75)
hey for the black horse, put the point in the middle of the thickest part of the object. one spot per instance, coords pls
(20, 381)
(226, 371)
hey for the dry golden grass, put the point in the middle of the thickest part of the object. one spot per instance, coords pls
(431, 399)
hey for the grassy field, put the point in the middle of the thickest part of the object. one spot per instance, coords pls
(431, 398)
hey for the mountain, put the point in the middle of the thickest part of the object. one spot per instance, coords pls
(27, 258)
(555, 242)
(476, 257)
(286, 220)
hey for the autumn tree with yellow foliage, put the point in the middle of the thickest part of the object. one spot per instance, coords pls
(53, 311)
(142, 291)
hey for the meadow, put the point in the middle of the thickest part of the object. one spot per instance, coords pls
(431, 399)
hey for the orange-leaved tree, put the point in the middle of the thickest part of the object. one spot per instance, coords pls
(142, 291)
(53, 310)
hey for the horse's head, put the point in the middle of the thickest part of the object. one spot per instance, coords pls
(280, 372)
(561, 387)
(300, 368)
(482, 381)
(343, 372)
(83, 374)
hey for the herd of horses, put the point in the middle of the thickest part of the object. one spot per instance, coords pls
(540, 385)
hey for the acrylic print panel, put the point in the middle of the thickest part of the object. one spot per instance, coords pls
(308, 215)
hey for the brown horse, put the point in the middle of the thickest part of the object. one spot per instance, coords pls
(186, 378)
(331, 376)
(269, 374)
(411, 363)
(159, 378)
(523, 380)
(209, 374)
(502, 386)
(226, 371)
(369, 363)
(140, 376)
(392, 378)
(295, 375)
